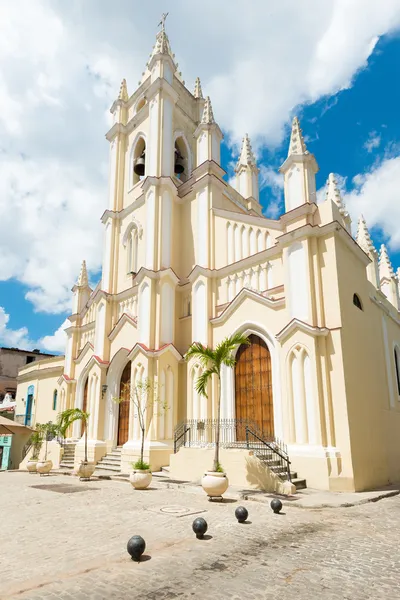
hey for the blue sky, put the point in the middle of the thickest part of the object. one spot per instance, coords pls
(338, 73)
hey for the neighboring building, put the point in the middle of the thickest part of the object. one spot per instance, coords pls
(11, 360)
(188, 258)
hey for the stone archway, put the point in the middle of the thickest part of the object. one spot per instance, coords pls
(123, 412)
(253, 387)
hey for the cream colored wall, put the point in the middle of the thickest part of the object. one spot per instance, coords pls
(43, 375)
(372, 421)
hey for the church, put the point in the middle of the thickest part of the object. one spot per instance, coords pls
(188, 257)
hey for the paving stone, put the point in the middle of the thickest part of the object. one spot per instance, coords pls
(62, 546)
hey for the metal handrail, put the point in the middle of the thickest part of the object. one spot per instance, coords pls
(177, 438)
(284, 457)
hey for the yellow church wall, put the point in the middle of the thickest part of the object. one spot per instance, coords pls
(366, 386)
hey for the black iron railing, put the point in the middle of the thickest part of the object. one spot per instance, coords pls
(235, 433)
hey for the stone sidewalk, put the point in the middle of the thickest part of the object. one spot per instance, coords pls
(64, 539)
(306, 498)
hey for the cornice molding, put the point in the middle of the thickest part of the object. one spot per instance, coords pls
(242, 295)
(297, 324)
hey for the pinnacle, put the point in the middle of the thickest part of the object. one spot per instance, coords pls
(385, 266)
(83, 276)
(123, 91)
(198, 92)
(208, 116)
(297, 144)
(363, 237)
(246, 157)
(333, 193)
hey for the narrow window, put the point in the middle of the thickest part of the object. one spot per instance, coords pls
(55, 400)
(357, 301)
(397, 364)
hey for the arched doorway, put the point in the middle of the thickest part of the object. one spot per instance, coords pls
(84, 404)
(123, 413)
(253, 387)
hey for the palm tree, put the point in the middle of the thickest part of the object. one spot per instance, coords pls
(212, 361)
(69, 416)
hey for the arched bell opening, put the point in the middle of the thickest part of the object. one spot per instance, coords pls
(181, 162)
(139, 161)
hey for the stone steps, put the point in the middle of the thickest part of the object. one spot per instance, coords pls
(110, 464)
(68, 458)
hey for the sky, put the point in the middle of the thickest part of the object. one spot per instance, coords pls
(335, 64)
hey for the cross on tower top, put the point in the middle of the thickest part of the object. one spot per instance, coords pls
(162, 22)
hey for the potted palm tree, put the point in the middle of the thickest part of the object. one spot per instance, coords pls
(47, 430)
(215, 482)
(35, 441)
(65, 419)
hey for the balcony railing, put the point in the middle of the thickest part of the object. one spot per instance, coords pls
(24, 420)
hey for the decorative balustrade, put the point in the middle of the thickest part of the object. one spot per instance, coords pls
(257, 277)
(128, 306)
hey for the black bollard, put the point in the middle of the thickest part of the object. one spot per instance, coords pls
(135, 547)
(199, 527)
(241, 513)
(276, 505)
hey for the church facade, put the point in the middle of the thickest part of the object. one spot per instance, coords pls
(189, 257)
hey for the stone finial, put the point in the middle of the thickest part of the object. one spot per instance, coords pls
(333, 193)
(123, 91)
(208, 116)
(364, 239)
(83, 280)
(198, 92)
(385, 266)
(246, 157)
(297, 144)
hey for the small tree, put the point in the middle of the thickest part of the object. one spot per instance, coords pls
(46, 430)
(143, 395)
(35, 441)
(69, 416)
(212, 361)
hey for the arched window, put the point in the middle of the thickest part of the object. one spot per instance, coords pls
(397, 367)
(182, 163)
(132, 251)
(357, 301)
(139, 161)
(55, 400)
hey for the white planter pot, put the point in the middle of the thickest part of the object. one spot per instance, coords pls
(86, 470)
(31, 465)
(140, 479)
(44, 466)
(215, 484)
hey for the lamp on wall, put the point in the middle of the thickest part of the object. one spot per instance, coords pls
(103, 390)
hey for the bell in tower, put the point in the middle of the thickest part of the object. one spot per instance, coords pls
(179, 162)
(139, 164)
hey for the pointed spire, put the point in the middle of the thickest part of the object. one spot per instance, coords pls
(246, 157)
(123, 91)
(83, 280)
(363, 237)
(208, 115)
(385, 266)
(333, 193)
(198, 92)
(297, 144)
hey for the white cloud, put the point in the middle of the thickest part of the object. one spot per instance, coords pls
(61, 69)
(373, 141)
(15, 338)
(55, 342)
(376, 196)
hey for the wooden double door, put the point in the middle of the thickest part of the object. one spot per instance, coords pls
(253, 388)
(123, 410)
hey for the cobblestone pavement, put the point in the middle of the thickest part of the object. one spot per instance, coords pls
(72, 545)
